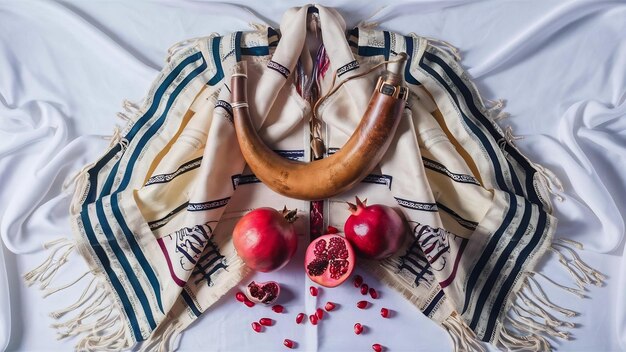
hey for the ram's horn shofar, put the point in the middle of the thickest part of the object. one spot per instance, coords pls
(339, 172)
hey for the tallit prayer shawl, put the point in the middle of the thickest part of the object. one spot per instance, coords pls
(153, 216)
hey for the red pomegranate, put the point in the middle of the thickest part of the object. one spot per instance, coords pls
(329, 260)
(376, 231)
(266, 239)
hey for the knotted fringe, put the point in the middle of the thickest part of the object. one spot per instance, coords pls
(45, 272)
(443, 45)
(96, 319)
(163, 338)
(531, 318)
(495, 109)
(463, 338)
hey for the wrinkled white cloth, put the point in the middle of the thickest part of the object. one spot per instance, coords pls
(66, 67)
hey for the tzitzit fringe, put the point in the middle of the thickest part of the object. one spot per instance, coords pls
(532, 318)
(95, 318)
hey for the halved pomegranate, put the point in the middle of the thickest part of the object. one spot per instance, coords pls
(263, 292)
(329, 260)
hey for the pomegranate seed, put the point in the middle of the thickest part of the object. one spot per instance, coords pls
(314, 291)
(373, 293)
(320, 313)
(384, 312)
(288, 343)
(358, 280)
(332, 229)
(266, 321)
(364, 289)
(278, 308)
(362, 304)
(240, 296)
(299, 318)
(358, 328)
(377, 347)
(256, 327)
(249, 303)
(329, 306)
(313, 319)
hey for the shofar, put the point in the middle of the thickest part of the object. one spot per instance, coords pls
(329, 176)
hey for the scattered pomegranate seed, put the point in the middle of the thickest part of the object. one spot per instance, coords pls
(314, 291)
(266, 321)
(320, 313)
(313, 319)
(256, 327)
(358, 328)
(332, 229)
(329, 306)
(373, 293)
(249, 303)
(288, 343)
(384, 312)
(299, 318)
(362, 304)
(377, 347)
(358, 280)
(240, 296)
(364, 289)
(278, 308)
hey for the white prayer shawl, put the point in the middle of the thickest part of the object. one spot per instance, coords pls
(153, 216)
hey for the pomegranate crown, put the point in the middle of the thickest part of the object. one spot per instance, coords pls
(359, 204)
(290, 215)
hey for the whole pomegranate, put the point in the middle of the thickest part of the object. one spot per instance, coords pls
(266, 239)
(329, 260)
(376, 231)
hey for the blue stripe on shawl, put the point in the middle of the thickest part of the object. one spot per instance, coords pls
(433, 303)
(134, 246)
(238, 46)
(219, 75)
(256, 51)
(506, 287)
(502, 259)
(512, 151)
(475, 129)
(138, 125)
(488, 251)
(156, 126)
(408, 77)
(115, 281)
(119, 254)
(387, 51)
(468, 224)
(190, 303)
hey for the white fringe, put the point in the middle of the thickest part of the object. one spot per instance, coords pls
(45, 272)
(495, 111)
(529, 314)
(96, 318)
(444, 45)
(463, 338)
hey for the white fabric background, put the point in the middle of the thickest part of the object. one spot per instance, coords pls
(66, 66)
